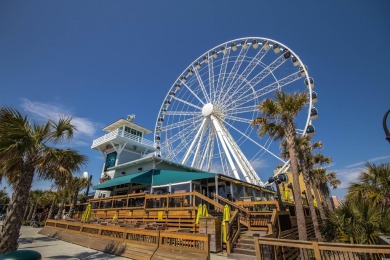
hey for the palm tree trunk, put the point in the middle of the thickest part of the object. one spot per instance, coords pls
(74, 202)
(319, 202)
(51, 210)
(26, 211)
(13, 221)
(60, 210)
(30, 213)
(313, 212)
(290, 138)
(325, 194)
(34, 212)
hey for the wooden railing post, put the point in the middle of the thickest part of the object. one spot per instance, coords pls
(257, 247)
(316, 249)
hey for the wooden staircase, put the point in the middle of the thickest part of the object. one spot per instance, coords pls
(244, 249)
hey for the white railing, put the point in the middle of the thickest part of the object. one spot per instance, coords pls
(120, 133)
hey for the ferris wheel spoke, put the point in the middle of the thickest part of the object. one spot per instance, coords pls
(232, 74)
(256, 143)
(182, 113)
(201, 84)
(258, 78)
(277, 85)
(250, 67)
(205, 151)
(239, 119)
(193, 93)
(183, 138)
(188, 121)
(211, 77)
(187, 103)
(203, 130)
(241, 110)
(194, 140)
(222, 72)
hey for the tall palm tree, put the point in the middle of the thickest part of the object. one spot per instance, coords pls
(26, 150)
(76, 184)
(318, 160)
(305, 157)
(278, 122)
(323, 180)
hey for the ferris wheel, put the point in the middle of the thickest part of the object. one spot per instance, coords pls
(205, 118)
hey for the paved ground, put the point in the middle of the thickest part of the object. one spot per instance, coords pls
(51, 248)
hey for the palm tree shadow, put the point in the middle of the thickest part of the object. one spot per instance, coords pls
(85, 255)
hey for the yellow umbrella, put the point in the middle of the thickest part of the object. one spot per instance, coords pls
(286, 195)
(199, 214)
(115, 218)
(87, 214)
(226, 217)
(205, 210)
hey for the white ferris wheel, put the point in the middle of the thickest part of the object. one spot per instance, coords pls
(205, 118)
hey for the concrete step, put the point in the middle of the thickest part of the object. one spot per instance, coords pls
(244, 251)
(238, 256)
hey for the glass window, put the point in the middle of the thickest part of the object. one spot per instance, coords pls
(110, 160)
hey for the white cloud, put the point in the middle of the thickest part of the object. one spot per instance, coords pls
(85, 128)
(350, 173)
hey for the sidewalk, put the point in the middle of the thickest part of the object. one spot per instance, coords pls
(51, 248)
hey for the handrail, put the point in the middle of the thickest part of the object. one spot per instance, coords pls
(213, 202)
(231, 236)
(234, 205)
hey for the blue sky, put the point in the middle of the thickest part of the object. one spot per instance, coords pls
(102, 60)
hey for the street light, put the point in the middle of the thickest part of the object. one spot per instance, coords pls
(278, 179)
(385, 126)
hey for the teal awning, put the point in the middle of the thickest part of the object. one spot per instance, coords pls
(139, 177)
(154, 177)
(163, 177)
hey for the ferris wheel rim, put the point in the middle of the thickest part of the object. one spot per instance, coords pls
(218, 49)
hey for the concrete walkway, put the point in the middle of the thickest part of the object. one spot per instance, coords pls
(51, 248)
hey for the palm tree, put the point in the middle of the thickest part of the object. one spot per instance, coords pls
(26, 150)
(76, 184)
(305, 157)
(278, 122)
(373, 186)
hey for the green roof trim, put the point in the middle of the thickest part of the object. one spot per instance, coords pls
(134, 178)
(163, 177)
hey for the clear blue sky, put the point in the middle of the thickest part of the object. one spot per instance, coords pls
(102, 60)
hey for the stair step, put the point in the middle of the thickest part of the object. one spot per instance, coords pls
(244, 251)
(237, 256)
(246, 241)
(245, 246)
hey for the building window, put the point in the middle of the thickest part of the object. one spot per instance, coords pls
(110, 160)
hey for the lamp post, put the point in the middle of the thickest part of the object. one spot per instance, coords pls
(385, 126)
(277, 182)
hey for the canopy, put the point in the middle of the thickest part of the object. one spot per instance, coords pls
(134, 177)
(155, 178)
(163, 177)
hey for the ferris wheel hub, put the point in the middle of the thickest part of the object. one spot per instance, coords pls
(207, 109)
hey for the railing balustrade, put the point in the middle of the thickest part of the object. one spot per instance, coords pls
(121, 133)
(271, 248)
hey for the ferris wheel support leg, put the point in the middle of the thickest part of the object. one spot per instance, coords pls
(184, 161)
(203, 130)
(220, 134)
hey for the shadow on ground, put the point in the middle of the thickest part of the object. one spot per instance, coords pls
(86, 255)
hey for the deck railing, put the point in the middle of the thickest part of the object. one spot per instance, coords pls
(271, 248)
(120, 133)
(187, 242)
